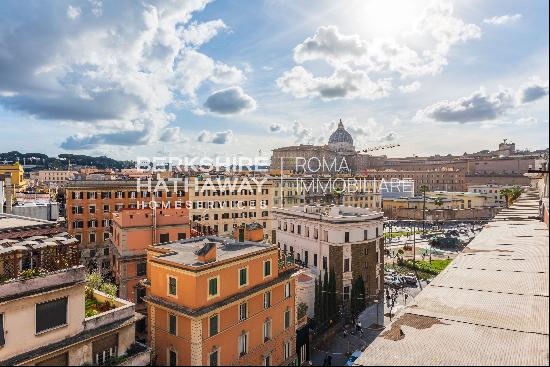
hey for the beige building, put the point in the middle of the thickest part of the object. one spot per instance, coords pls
(224, 203)
(45, 310)
(492, 192)
(57, 178)
(468, 200)
(417, 202)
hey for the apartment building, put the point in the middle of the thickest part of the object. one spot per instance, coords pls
(492, 192)
(16, 173)
(89, 205)
(55, 177)
(468, 200)
(444, 179)
(224, 203)
(215, 301)
(43, 308)
(306, 190)
(133, 231)
(348, 240)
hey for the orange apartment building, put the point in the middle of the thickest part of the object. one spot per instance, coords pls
(216, 301)
(90, 203)
(132, 232)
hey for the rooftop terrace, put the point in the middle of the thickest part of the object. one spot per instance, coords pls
(488, 307)
(187, 252)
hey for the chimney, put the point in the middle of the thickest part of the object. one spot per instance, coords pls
(207, 253)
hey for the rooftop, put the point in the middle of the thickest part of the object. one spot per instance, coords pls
(9, 221)
(331, 213)
(187, 252)
(489, 306)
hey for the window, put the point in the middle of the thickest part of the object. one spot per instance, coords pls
(213, 287)
(267, 300)
(2, 340)
(243, 344)
(243, 312)
(324, 263)
(243, 277)
(315, 260)
(164, 237)
(140, 293)
(287, 349)
(51, 315)
(213, 325)
(346, 293)
(213, 358)
(172, 358)
(346, 237)
(346, 265)
(172, 324)
(104, 349)
(92, 237)
(267, 360)
(267, 268)
(141, 269)
(172, 286)
(365, 234)
(287, 290)
(92, 209)
(182, 236)
(287, 318)
(267, 330)
(106, 209)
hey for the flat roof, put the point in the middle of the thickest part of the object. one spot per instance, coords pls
(488, 307)
(331, 213)
(9, 221)
(183, 252)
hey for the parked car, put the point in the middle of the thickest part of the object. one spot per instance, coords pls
(409, 279)
(353, 357)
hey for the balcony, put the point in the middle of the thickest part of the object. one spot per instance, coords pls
(102, 309)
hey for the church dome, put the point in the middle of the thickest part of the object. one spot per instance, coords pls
(340, 136)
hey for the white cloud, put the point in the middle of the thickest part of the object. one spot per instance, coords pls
(220, 137)
(230, 101)
(503, 19)
(410, 88)
(479, 106)
(350, 55)
(98, 69)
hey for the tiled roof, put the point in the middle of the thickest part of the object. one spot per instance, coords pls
(489, 307)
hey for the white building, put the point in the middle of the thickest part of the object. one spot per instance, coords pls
(347, 240)
(494, 197)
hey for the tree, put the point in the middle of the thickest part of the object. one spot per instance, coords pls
(332, 294)
(357, 302)
(317, 302)
(438, 202)
(326, 307)
(302, 310)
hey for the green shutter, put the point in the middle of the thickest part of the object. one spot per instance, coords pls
(213, 286)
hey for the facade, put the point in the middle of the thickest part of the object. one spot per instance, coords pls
(16, 173)
(468, 200)
(89, 205)
(346, 239)
(55, 178)
(448, 179)
(214, 301)
(224, 203)
(42, 302)
(417, 202)
(492, 192)
(338, 156)
(133, 231)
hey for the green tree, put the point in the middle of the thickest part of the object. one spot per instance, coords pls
(332, 294)
(326, 297)
(424, 189)
(357, 302)
(317, 301)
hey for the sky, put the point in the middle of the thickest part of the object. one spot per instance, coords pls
(195, 78)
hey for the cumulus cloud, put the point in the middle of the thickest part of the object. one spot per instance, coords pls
(343, 83)
(483, 106)
(356, 60)
(532, 90)
(220, 137)
(95, 69)
(503, 19)
(230, 101)
(410, 88)
(479, 106)
(276, 128)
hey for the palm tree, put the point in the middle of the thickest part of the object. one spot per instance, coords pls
(507, 193)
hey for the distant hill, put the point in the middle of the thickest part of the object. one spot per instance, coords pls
(42, 161)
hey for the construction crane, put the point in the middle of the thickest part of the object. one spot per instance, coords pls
(381, 147)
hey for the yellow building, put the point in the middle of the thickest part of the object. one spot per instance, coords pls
(417, 202)
(16, 173)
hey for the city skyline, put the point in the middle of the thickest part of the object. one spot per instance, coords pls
(228, 78)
